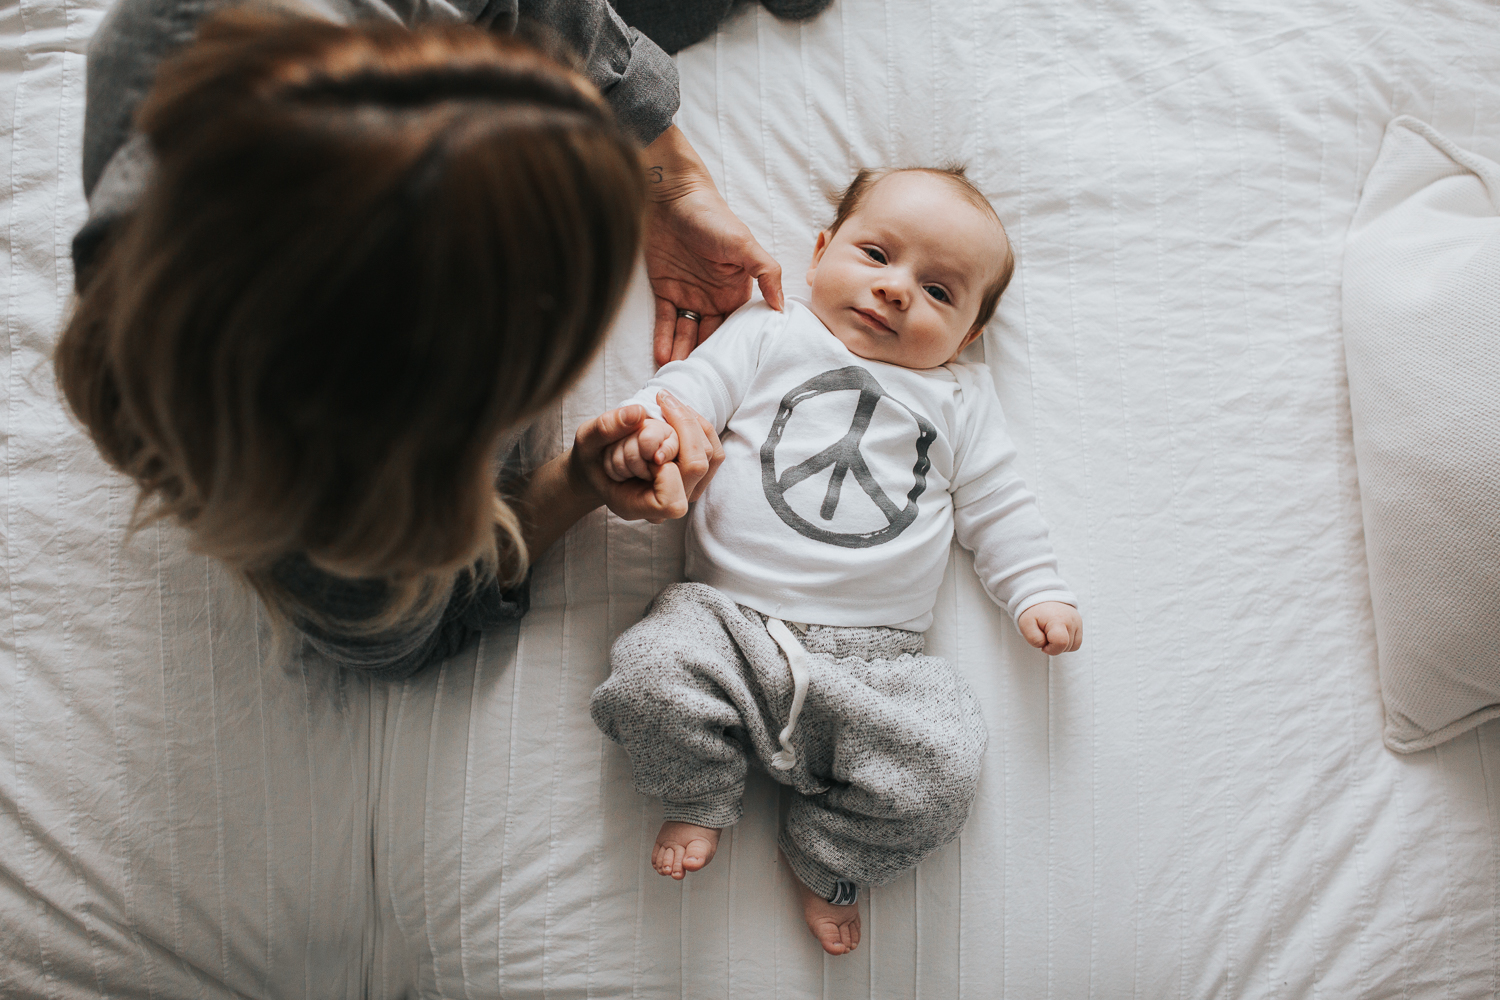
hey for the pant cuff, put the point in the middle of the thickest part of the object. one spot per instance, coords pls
(715, 813)
(826, 883)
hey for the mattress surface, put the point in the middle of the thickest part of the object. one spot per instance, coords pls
(1196, 804)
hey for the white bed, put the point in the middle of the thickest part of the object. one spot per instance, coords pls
(1195, 805)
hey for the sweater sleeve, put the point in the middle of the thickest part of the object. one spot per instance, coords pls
(994, 515)
(632, 72)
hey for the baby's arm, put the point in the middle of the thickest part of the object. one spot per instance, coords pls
(710, 383)
(996, 517)
(1052, 626)
(1015, 562)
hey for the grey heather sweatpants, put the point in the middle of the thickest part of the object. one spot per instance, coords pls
(888, 745)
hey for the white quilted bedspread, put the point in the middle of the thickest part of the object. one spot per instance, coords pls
(1197, 804)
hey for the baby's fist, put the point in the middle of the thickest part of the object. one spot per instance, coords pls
(1052, 626)
(642, 453)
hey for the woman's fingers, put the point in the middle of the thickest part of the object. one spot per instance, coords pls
(708, 325)
(654, 493)
(699, 452)
(607, 428)
(667, 492)
(664, 346)
(685, 335)
(715, 456)
(657, 498)
(767, 273)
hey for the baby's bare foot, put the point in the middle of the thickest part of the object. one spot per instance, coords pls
(835, 927)
(682, 848)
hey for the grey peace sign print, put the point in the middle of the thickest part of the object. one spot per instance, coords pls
(844, 457)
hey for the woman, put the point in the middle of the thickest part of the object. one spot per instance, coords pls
(338, 267)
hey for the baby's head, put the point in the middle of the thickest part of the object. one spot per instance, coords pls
(912, 266)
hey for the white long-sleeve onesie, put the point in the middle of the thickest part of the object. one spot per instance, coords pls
(845, 479)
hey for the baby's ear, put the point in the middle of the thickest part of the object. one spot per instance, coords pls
(971, 336)
(823, 240)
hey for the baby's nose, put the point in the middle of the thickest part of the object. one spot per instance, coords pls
(894, 290)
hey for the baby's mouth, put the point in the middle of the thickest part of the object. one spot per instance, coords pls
(871, 319)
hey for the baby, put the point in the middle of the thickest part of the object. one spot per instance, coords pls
(856, 446)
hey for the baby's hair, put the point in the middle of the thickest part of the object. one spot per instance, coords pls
(365, 255)
(957, 175)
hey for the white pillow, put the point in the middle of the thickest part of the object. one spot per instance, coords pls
(1422, 339)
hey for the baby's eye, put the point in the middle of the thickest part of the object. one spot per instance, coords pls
(878, 256)
(939, 293)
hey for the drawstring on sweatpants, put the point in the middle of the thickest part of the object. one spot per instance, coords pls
(796, 657)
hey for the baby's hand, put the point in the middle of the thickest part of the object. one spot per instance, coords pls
(1052, 627)
(642, 453)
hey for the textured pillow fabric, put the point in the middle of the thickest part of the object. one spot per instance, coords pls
(1422, 338)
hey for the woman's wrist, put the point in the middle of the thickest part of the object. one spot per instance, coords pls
(673, 167)
(582, 487)
(557, 496)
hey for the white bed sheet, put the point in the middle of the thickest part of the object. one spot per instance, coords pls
(1197, 804)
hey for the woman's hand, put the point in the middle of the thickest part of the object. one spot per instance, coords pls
(671, 486)
(699, 255)
(699, 453)
(574, 483)
(660, 498)
(637, 456)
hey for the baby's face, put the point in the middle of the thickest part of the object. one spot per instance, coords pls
(903, 278)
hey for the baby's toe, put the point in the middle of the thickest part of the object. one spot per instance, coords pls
(832, 940)
(696, 855)
(849, 935)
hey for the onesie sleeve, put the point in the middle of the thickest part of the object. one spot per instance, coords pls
(994, 515)
(713, 379)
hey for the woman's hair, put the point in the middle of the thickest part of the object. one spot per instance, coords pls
(956, 174)
(365, 254)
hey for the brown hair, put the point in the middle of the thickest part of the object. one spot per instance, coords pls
(864, 182)
(366, 252)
